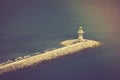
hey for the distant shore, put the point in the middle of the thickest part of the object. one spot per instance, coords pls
(49, 55)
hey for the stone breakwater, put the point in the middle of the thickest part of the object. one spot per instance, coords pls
(53, 54)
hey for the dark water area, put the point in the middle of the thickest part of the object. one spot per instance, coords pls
(27, 27)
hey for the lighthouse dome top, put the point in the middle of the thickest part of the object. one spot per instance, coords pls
(81, 28)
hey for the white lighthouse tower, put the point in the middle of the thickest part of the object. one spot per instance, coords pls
(80, 33)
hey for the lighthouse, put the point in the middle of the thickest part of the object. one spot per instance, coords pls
(80, 34)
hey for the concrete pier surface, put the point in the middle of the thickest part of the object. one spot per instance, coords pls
(49, 55)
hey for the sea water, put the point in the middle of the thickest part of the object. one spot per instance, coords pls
(33, 28)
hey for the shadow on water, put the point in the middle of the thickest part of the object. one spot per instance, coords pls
(49, 69)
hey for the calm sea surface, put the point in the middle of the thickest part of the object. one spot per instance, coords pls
(29, 27)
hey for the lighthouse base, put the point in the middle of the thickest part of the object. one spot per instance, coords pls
(72, 41)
